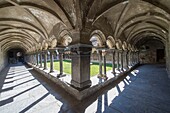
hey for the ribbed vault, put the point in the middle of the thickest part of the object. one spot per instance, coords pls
(35, 21)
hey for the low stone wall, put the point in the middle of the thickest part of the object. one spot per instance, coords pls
(80, 95)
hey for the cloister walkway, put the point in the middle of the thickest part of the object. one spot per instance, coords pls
(145, 90)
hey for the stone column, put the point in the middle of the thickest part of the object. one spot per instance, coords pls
(37, 59)
(122, 58)
(100, 64)
(118, 65)
(113, 62)
(130, 58)
(138, 57)
(51, 61)
(135, 57)
(45, 60)
(104, 63)
(80, 67)
(32, 59)
(40, 59)
(127, 60)
(61, 63)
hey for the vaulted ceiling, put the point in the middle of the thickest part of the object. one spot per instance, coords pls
(26, 23)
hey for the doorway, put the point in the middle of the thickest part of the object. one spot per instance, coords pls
(160, 55)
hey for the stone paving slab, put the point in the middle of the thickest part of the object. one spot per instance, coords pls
(145, 90)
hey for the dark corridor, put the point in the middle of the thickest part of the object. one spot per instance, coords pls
(15, 56)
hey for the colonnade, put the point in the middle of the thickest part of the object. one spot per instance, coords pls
(122, 60)
(39, 59)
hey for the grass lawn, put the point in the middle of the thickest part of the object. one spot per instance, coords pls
(94, 68)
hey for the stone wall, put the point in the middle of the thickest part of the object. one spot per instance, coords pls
(148, 52)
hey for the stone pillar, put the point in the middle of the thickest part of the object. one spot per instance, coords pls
(51, 61)
(113, 62)
(104, 64)
(80, 67)
(127, 60)
(118, 65)
(45, 60)
(32, 59)
(40, 59)
(130, 58)
(122, 58)
(100, 64)
(61, 63)
(138, 57)
(37, 59)
(133, 58)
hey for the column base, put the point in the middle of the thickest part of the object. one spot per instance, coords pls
(61, 75)
(127, 68)
(122, 70)
(118, 69)
(113, 73)
(51, 71)
(103, 76)
(81, 86)
(45, 69)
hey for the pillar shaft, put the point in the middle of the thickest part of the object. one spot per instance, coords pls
(40, 60)
(45, 60)
(51, 61)
(100, 63)
(122, 58)
(37, 59)
(81, 67)
(118, 61)
(32, 56)
(127, 61)
(104, 64)
(34, 59)
(130, 58)
(113, 62)
(138, 57)
(61, 63)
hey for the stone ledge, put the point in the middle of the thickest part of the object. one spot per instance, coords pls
(80, 95)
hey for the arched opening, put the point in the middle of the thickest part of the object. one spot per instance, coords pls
(15, 56)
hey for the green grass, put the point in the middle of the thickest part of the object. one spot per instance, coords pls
(94, 67)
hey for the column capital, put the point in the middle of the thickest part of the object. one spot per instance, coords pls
(81, 49)
(52, 50)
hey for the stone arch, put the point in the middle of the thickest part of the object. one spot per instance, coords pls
(129, 47)
(98, 39)
(111, 43)
(62, 35)
(119, 44)
(133, 48)
(124, 46)
(44, 45)
(151, 30)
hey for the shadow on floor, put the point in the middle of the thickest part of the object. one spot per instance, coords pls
(147, 91)
(142, 93)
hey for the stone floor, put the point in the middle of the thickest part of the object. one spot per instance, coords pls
(145, 90)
